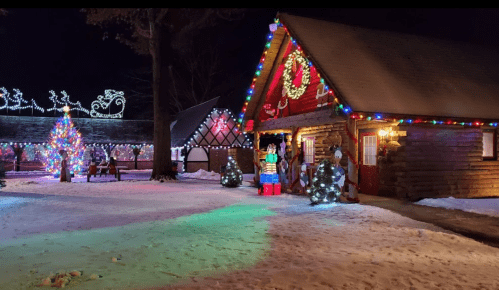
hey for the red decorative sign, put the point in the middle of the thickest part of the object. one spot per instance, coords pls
(220, 125)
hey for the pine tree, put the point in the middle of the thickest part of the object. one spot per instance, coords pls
(323, 189)
(233, 176)
(64, 137)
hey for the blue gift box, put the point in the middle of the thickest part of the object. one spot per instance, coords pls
(269, 178)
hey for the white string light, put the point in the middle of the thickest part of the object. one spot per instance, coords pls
(17, 100)
(105, 101)
(64, 102)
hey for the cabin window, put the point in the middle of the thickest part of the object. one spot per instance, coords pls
(489, 145)
(308, 150)
(370, 149)
(174, 153)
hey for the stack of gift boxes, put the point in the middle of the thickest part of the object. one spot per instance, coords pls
(269, 179)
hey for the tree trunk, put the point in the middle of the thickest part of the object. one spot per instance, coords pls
(161, 55)
(18, 151)
(136, 152)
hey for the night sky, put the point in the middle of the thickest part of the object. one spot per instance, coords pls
(54, 49)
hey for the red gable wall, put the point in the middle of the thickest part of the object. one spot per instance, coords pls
(306, 103)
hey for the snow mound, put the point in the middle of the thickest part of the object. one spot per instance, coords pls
(202, 174)
(486, 206)
(6, 202)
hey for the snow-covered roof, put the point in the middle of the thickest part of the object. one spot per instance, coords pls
(387, 72)
(187, 121)
(93, 130)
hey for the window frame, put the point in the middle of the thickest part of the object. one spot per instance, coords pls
(494, 144)
(375, 151)
(306, 155)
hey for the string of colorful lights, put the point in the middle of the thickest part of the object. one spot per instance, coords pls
(341, 106)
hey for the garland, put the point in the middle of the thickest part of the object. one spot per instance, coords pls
(351, 157)
(294, 182)
(350, 134)
(294, 134)
(352, 183)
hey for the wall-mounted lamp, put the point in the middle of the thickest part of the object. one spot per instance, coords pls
(382, 134)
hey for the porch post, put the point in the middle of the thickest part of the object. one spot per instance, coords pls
(256, 144)
(293, 167)
(353, 172)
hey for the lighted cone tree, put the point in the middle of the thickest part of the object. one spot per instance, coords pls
(233, 176)
(324, 188)
(64, 137)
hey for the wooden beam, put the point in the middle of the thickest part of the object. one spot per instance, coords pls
(353, 172)
(256, 145)
(263, 93)
(302, 120)
(294, 166)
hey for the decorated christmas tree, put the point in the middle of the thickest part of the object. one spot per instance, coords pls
(233, 176)
(324, 189)
(64, 137)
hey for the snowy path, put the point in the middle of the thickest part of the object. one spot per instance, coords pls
(166, 233)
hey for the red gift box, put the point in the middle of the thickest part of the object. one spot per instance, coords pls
(277, 189)
(268, 188)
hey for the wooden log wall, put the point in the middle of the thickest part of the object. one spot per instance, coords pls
(439, 162)
(322, 135)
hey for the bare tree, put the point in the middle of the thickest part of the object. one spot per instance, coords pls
(2, 168)
(159, 32)
(195, 76)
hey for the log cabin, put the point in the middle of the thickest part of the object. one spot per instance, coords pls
(416, 117)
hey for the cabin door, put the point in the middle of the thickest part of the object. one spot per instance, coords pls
(368, 165)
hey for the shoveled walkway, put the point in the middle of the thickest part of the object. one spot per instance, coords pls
(479, 227)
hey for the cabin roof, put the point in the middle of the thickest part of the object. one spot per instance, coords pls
(387, 72)
(26, 129)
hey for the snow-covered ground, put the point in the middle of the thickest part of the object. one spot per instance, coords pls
(486, 206)
(141, 234)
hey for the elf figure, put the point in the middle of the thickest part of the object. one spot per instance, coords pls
(283, 102)
(284, 164)
(303, 177)
(65, 174)
(268, 109)
(322, 97)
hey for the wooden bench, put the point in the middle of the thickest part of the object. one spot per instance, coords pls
(117, 175)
